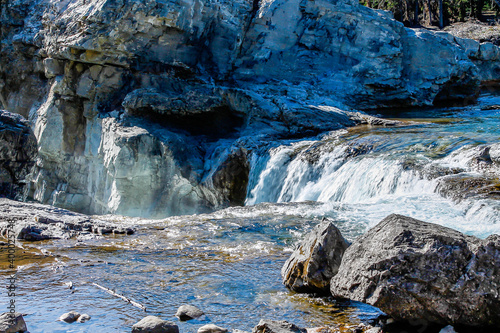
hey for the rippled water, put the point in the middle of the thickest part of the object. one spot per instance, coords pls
(228, 262)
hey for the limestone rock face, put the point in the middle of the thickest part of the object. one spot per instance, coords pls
(141, 107)
(316, 260)
(413, 270)
(18, 152)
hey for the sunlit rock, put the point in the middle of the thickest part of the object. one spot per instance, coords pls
(12, 323)
(274, 326)
(70, 317)
(153, 324)
(316, 260)
(211, 328)
(188, 312)
(418, 271)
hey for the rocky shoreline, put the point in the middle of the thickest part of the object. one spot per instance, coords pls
(422, 275)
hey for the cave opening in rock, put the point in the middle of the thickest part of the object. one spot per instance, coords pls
(216, 123)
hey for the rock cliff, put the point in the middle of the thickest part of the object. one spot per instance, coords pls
(153, 108)
(17, 155)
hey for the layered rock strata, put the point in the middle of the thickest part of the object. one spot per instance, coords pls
(35, 222)
(153, 108)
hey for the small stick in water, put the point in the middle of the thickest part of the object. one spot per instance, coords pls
(109, 291)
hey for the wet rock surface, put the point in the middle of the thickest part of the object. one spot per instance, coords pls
(316, 260)
(188, 312)
(153, 324)
(274, 326)
(18, 151)
(418, 271)
(211, 328)
(12, 323)
(70, 317)
(35, 222)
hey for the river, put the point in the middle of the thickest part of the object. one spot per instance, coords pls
(228, 262)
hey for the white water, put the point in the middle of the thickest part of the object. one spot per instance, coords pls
(366, 188)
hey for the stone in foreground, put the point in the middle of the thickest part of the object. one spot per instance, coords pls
(317, 259)
(273, 326)
(413, 270)
(70, 317)
(211, 328)
(188, 312)
(153, 324)
(12, 323)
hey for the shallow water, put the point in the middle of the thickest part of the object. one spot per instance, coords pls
(228, 262)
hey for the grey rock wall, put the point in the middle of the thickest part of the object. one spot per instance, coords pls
(139, 107)
(18, 152)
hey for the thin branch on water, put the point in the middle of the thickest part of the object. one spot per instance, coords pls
(109, 291)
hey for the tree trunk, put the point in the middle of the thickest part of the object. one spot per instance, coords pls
(441, 15)
(416, 21)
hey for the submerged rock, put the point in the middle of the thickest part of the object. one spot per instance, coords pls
(316, 260)
(418, 271)
(153, 324)
(83, 318)
(18, 151)
(12, 323)
(273, 326)
(188, 312)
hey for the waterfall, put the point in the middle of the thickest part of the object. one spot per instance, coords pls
(371, 183)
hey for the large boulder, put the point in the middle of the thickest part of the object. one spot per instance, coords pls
(418, 271)
(12, 323)
(316, 260)
(18, 150)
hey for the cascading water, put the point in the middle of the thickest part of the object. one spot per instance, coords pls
(379, 171)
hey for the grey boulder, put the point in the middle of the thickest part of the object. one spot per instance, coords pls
(153, 324)
(273, 326)
(418, 271)
(316, 260)
(12, 323)
(188, 312)
(70, 317)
